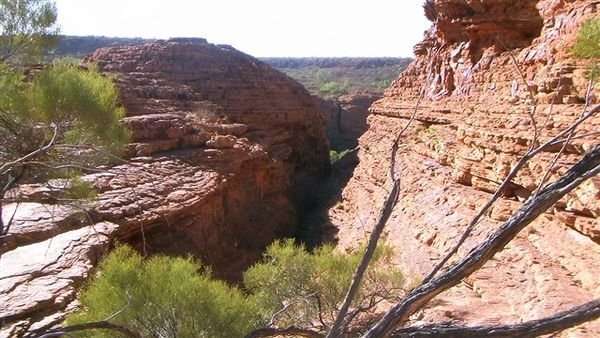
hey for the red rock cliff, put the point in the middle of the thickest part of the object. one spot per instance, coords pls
(224, 147)
(472, 125)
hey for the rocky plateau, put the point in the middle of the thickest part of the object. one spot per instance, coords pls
(474, 120)
(224, 151)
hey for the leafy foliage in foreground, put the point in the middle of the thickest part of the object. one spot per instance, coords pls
(76, 108)
(311, 286)
(176, 297)
(27, 28)
(170, 297)
(83, 102)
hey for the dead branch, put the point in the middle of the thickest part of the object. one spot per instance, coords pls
(44, 148)
(532, 152)
(585, 168)
(101, 325)
(290, 331)
(555, 323)
(384, 215)
(567, 139)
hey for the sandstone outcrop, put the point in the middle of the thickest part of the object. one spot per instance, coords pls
(472, 125)
(224, 148)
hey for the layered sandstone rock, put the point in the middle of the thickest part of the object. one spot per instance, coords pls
(472, 125)
(224, 149)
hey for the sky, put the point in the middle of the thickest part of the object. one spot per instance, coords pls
(258, 27)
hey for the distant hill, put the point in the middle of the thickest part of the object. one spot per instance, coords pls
(336, 76)
(323, 76)
(80, 46)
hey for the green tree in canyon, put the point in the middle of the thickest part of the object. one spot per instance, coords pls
(176, 297)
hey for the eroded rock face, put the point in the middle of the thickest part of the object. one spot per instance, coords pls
(471, 127)
(223, 146)
(39, 280)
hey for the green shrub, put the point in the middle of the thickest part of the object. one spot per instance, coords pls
(312, 286)
(335, 156)
(78, 189)
(587, 45)
(176, 297)
(88, 102)
(333, 87)
(170, 297)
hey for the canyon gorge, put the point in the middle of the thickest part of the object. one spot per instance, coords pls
(227, 153)
(224, 151)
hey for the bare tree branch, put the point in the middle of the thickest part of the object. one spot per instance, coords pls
(513, 173)
(566, 142)
(101, 325)
(290, 331)
(555, 323)
(384, 215)
(533, 109)
(585, 168)
(41, 150)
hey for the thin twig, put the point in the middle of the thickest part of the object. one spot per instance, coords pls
(565, 143)
(384, 215)
(276, 314)
(507, 181)
(102, 324)
(585, 168)
(533, 109)
(129, 301)
(32, 154)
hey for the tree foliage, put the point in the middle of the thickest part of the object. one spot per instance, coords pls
(81, 102)
(176, 297)
(27, 27)
(311, 286)
(170, 297)
(53, 120)
(587, 45)
(335, 156)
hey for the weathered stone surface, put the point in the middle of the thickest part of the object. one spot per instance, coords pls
(205, 81)
(472, 125)
(39, 280)
(223, 147)
(33, 222)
